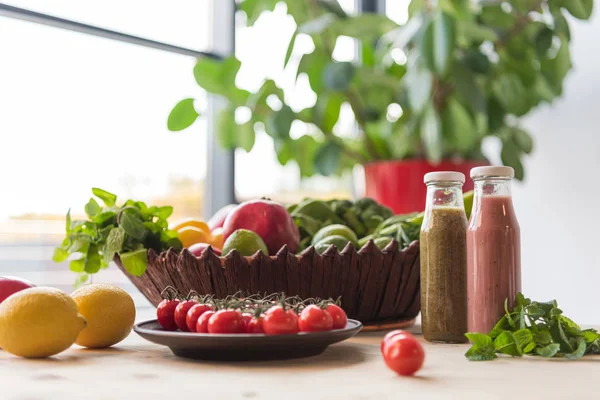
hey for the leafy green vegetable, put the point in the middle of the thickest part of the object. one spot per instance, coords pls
(128, 231)
(534, 328)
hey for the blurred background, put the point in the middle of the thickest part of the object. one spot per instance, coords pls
(81, 111)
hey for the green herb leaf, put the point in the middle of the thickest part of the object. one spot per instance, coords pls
(549, 350)
(506, 343)
(162, 212)
(114, 243)
(68, 222)
(479, 339)
(542, 337)
(529, 348)
(60, 255)
(135, 262)
(579, 351)
(108, 198)
(133, 226)
(77, 265)
(92, 208)
(82, 278)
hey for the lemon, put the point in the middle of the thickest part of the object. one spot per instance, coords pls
(39, 322)
(245, 242)
(194, 223)
(109, 312)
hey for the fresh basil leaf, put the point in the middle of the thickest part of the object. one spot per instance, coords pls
(579, 351)
(133, 226)
(108, 198)
(92, 208)
(60, 255)
(549, 350)
(114, 243)
(135, 262)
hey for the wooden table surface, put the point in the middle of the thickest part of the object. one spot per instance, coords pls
(136, 369)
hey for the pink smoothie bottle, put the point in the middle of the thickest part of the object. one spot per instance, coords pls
(493, 248)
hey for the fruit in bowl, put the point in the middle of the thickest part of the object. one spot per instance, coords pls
(10, 285)
(269, 220)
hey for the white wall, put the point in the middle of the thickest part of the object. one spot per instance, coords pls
(558, 205)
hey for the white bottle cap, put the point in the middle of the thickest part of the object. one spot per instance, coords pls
(444, 176)
(493, 171)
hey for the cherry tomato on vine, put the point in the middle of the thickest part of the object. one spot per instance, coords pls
(340, 319)
(181, 313)
(247, 317)
(165, 313)
(278, 321)
(402, 353)
(255, 325)
(314, 319)
(194, 313)
(226, 321)
(202, 324)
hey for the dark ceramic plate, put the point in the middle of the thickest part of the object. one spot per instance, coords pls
(245, 347)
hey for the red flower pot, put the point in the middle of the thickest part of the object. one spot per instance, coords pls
(399, 184)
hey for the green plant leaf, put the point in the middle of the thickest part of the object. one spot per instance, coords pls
(477, 61)
(529, 348)
(135, 262)
(523, 140)
(431, 134)
(258, 100)
(305, 148)
(419, 82)
(246, 136)
(284, 151)
(327, 110)
(579, 351)
(415, 7)
(482, 349)
(471, 31)
(92, 262)
(133, 226)
(543, 41)
(367, 26)
(163, 212)
(506, 343)
(182, 115)
(459, 126)
(114, 243)
(479, 339)
(327, 158)
(555, 70)
(92, 208)
(561, 26)
(438, 42)
(278, 125)
(511, 94)
(495, 16)
(338, 75)
(254, 8)
(226, 128)
(208, 72)
(313, 65)
(60, 255)
(77, 265)
(549, 350)
(318, 25)
(511, 156)
(290, 49)
(108, 198)
(580, 9)
(333, 6)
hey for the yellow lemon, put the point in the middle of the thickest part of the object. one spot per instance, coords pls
(39, 322)
(109, 312)
(191, 235)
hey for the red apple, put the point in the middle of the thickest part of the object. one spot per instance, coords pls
(10, 285)
(269, 220)
(197, 249)
(217, 220)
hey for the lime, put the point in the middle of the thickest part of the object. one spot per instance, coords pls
(381, 242)
(335, 230)
(245, 242)
(337, 240)
(468, 200)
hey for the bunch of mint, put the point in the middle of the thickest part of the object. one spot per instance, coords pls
(534, 328)
(129, 231)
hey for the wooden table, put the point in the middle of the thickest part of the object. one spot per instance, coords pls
(137, 369)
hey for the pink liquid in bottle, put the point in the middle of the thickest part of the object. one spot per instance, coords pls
(493, 249)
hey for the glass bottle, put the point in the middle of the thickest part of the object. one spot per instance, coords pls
(493, 248)
(444, 259)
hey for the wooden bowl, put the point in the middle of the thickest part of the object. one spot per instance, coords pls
(375, 286)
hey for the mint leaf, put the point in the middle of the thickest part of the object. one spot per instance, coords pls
(114, 243)
(542, 337)
(570, 327)
(82, 278)
(482, 349)
(500, 327)
(133, 226)
(529, 348)
(68, 222)
(92, 208)
(523, 337)
(479, 339)
(162, 212)
(521, 300)
(108, 198)
(558, 336)
(548, 351)
(506, 343)
(579, 352)
(60, 255)
(135, 262)
(92, 260)
(591, 335)
(77, 265)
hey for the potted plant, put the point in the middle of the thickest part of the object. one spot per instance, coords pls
(424, 94)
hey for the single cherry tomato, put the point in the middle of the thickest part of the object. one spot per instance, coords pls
(403, 354)
(226, 321)
(255, 325)
(165, 313)
(278, 321)
(202, 324)
(181, 313)
(194, 313)
(247, 317)
(314, 319)
(339, 316)
(389, 336)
